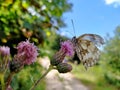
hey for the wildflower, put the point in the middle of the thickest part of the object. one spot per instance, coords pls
(4, 58)
(27, 52)
(67, 47)
(4, 51)
(65, 50)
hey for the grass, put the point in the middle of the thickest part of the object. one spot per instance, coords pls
(93, 77)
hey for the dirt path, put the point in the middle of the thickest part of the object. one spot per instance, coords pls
(56, 81)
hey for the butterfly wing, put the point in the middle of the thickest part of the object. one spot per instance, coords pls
(87, 50)
(96, 39)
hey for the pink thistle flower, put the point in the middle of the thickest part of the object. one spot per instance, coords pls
(4, 51)
(67, 47)
(65, 50)
(59, 61)
(28, 51)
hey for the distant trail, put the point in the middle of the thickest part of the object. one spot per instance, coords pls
(56, 81)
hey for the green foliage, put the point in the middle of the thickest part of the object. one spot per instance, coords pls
(93, 77)
(111, 59)
(25, 79)
(21, 19)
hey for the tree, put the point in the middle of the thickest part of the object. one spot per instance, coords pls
(111, 58)
(21, 19)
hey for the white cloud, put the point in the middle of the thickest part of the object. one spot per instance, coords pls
(115, 3)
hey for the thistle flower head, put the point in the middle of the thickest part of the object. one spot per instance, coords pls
(15, 65)
(58, 58)
(67, 47)
(64, 67)
(28, 50)
(4, 51)
(65, 50)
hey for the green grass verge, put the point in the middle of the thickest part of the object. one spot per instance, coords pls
(93, 77)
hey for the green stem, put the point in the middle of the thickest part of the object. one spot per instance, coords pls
(2, 81)
(9, 79)
(38, 81)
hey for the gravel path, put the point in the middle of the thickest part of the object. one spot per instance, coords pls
(56, 81)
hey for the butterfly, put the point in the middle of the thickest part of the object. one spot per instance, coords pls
(86, 47)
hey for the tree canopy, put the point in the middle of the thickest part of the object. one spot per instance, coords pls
(34, 19)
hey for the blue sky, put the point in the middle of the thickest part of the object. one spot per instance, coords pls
(92, 16)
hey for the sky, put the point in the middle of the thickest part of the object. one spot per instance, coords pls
(92, 16)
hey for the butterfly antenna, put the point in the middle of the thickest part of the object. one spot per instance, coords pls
(73, 27)
(70, 33)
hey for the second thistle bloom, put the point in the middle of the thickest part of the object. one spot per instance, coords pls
(65, 50)
(4, 57)
(28, 51)
(4, 51)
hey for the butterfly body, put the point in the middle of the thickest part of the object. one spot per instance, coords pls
(86, 48)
